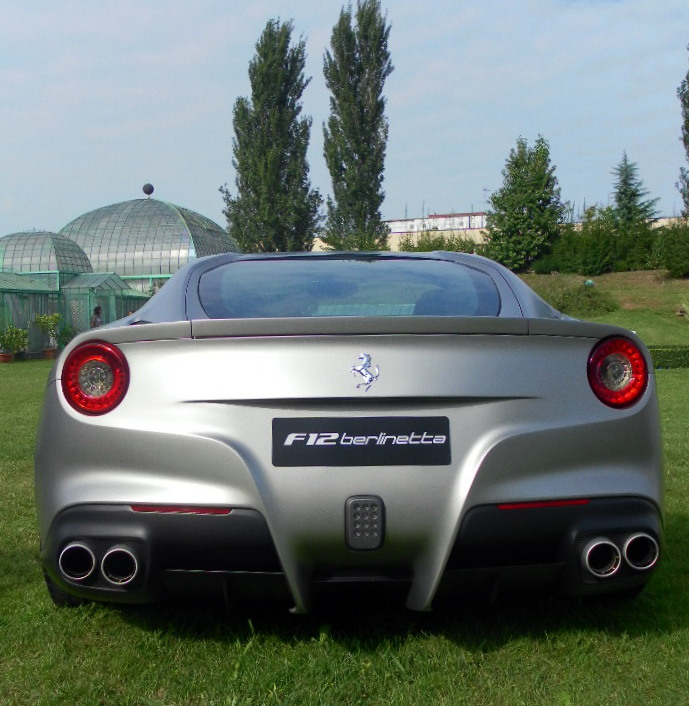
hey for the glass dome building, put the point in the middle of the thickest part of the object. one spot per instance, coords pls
(114, 257)
(146, 240)
(42, 252)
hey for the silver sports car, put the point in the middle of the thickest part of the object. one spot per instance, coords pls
(285, 423)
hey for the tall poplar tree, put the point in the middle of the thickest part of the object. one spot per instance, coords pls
(274, 208)
(683, 183)
(526, 213)
(356, 133)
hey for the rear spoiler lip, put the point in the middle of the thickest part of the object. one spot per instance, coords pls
(354, 326)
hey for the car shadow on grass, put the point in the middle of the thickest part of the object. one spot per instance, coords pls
(373, 617)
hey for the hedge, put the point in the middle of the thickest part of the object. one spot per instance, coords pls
(670, 356)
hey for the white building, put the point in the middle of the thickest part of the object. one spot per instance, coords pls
(452, 222)
(464, 225)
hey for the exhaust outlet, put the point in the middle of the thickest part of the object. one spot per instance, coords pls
(119, 566)
(641, 551)
(76, 562)
(601, 558)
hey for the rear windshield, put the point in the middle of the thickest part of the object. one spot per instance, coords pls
(306, 287)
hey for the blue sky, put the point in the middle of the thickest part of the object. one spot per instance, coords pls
(98, 98)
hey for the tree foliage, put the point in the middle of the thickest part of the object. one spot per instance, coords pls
(275, 208)
(586, 250)
(683, 183)
(634, 216)
(630, 206)
(526, 212)
(430, 240)
(675, 248)
(355, 135)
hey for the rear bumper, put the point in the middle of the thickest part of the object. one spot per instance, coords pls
(161, 544)
(517, 542)
(112, 553)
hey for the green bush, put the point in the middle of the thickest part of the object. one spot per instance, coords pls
(49, 324)
(428, 241)
(675, 249)
(581, 302)
(670, 356)
(14, 340)
(602, 245)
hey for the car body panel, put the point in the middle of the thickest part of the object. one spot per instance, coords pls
(196, 428)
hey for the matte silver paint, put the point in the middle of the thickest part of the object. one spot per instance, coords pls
(195, 426)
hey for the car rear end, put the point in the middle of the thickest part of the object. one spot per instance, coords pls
(427, 452)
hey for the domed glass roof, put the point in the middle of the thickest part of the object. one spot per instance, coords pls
(41, 251)
(146, 237)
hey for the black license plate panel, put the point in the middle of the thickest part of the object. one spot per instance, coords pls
(361, 441)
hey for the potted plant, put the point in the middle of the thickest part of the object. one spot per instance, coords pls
(6, 352)
(13, 343)
(49, 323)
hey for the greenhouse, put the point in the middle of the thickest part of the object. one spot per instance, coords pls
(145, 240)
(114, 257)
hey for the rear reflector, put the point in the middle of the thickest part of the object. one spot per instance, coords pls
(182, 509)
(543, 503)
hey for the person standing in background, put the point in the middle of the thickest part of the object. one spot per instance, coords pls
(96, 319)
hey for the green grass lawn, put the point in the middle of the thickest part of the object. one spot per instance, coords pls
(648, 301)
(519, 651)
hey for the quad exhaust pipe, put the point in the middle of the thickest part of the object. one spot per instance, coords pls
(76, 561)
(119, 565)
(641, 551)
(602, 558)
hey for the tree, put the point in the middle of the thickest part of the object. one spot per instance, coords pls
(634, 216)
(683, 183)
(275, 208)
(526, 213)
(630, 206)
(356, 133)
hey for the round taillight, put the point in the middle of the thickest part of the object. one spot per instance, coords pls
(95, 377)
(617, 372)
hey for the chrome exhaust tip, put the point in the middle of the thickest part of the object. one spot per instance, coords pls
(641, 551)
(76, 562)
(601, 558)
(119, 566)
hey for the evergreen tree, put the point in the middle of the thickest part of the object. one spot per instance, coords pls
(356, 133)
(526, 213)
(275, 208)
(634, 216)
(630, 206)
(683, 183)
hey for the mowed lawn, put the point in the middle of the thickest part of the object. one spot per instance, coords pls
(521, 650)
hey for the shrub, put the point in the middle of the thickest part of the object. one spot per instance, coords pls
(14, 340)
(670, 356)
(588, 251)
(428, 241)
(67, 333)
(48, 323)
(675, 249)
(581, 301)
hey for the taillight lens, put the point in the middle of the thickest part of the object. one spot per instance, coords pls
(95, 377)
(617, 372)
